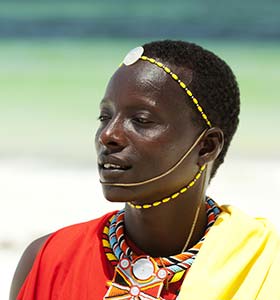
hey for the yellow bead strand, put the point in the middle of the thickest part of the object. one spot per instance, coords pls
(182, 85)
(171, 197)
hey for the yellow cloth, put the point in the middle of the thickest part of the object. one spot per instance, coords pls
(239, 260)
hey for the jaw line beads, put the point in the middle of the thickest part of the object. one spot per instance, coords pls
(171, 197)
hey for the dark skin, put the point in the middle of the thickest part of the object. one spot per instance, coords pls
(146, 126)
(144, 109)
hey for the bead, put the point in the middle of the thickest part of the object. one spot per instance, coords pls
(189, 92)
(166, 200)
(167, 70)
(157, 203)
(144, 57)
(152, 60)
(198, 176)
(106, 243)
(183, 190)
(106, 229)
(182, 85)
(203, 168)
(204, 116)
(199, 108)
(177, 276)
(195, 101)
(174, 76)
(138, 206)
(147, 205)
(111, 256)
(175, 195)
(159, 64)
(191, 183)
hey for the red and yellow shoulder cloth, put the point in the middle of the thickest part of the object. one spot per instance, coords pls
(239, 260)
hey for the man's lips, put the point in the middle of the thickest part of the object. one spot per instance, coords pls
(112, 172)
(113, 163)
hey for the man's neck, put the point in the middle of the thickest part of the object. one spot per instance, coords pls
(164, 230)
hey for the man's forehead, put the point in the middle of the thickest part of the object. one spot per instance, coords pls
(147, 75)
(142, 73)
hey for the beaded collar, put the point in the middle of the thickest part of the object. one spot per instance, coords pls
(116, 247)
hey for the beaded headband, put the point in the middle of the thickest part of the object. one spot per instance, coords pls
(137, 53)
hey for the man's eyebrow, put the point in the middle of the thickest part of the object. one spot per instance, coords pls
(149, 101)
(145, 99)
(104, 101)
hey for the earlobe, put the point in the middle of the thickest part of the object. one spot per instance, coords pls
(211, 145)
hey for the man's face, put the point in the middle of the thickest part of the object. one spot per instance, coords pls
(145, 128)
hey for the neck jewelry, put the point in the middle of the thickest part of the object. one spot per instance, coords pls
(143, 276)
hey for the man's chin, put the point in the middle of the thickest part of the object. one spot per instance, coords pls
(118, 194)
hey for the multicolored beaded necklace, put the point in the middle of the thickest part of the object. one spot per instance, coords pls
(149, 273)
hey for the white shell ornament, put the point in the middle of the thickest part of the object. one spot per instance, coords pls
(140, 278)
(143, 269)
(125, 263)
(135, 291)
(133, 55)
(162, 274)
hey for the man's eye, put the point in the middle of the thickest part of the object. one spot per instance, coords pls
(103, 118)
(142, 120)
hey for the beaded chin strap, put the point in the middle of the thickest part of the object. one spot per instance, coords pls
(173, 196)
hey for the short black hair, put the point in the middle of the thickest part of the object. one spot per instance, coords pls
(213, 84)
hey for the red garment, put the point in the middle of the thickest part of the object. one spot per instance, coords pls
(72, 266)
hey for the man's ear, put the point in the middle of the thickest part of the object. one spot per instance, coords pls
(211, 145)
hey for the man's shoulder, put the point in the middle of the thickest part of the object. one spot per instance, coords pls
(79, 233)
(82, 227)
(58, 250)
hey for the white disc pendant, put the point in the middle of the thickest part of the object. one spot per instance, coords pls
(133, 55)
(143, 269)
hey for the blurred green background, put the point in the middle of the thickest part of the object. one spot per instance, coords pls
(57, 56)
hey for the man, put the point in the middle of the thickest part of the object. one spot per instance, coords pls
(166, 121)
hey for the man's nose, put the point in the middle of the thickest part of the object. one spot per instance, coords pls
(113, 136)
